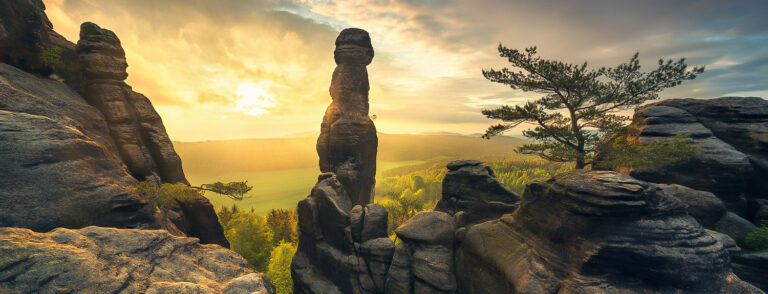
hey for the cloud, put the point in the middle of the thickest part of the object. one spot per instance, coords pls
(191, 56)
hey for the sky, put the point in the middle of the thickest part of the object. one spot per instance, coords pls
(230, 69)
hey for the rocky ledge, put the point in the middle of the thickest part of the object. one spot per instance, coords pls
(108, 260)
(595, 232)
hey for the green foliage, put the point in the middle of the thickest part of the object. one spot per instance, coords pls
(620, 153)
(165, 195)
(250, 236)
(282, 223)
(51, 56)
(234, 190)
(757, 240)
(578, 104)
(279, 271)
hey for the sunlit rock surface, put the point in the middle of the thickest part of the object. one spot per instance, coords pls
(347, 143)
(108, 260)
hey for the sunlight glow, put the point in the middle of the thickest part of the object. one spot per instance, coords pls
(254, 99)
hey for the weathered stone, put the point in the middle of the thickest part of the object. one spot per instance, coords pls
(375, 223)
(594, 232)
(430, 227)
(26, 32)
(347, 142)
(734, 226)
(399, 276)
(728, 243)
(731, 134)
(704, 206)
(378, 253)
(332, 210)
(203, 222)
(473, 189)
(107, 260)
(752, 267)
(433, 264)
(356, 222)
(57, 143)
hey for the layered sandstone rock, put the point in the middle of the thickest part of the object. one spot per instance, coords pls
(732, 136)
(347, 142)
(472, 193)
(26, 33)
(343, 248)
(134, 125)
(595, 232)
(107, 260)
(69, 161)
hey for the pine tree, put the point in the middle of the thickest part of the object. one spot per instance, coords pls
(579, 104)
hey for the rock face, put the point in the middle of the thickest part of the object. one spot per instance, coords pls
(69, 158)
(732, 134)
(133, 123)
(423, 261)
(342, 248)
(473, 191)
(752, 267)
(26, 32)
(107, 260)
(595, 232)
(347, 143)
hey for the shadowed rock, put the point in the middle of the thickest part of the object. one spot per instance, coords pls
(347, 142)
(107, 260)
(473, 194)
(732, 135)
(595, 232)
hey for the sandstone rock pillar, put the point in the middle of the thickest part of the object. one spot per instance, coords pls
(347, 143)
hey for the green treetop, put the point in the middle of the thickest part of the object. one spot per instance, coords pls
(578, 104)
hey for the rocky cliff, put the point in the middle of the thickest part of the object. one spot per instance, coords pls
(108, 260)
(595, 232)
(72, 150)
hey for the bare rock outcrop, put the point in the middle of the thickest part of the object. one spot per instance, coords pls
(72, 150)
(732, 136)
(473, 194)
(595, 232)
(108, 260)
(342, 248)
(26, 33)
(347, 143)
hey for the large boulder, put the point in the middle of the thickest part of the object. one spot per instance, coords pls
(108, 260)
(472, 190)
(752, 267)
(595, 232)
(732, 136)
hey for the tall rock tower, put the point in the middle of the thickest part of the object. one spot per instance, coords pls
(343, 243)
(347, 143)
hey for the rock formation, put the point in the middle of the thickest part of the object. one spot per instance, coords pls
(70, 159)
(732, 134)
(343, 244)
(472, 190)
(133, 123)
(347, 143)
(423, 261)
(107, 260)
(595, 232)
(343, 248)
(26, 32)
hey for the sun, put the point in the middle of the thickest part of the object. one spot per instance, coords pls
(254, 99)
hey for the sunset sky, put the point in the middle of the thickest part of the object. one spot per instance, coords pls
(226, 69)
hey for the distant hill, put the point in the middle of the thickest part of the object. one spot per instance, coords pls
(298, 151)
